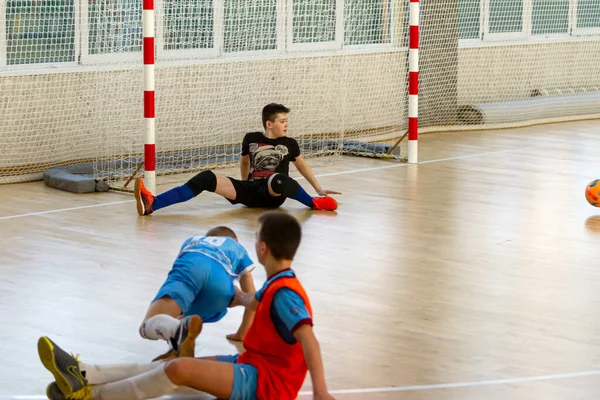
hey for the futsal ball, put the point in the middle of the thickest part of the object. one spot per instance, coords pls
(592, 193)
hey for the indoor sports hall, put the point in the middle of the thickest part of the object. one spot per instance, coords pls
(462, 262)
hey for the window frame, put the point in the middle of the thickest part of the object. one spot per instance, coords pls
(280, 32)
(217, 31)
(575, 31)
(395, 11)
(526, 35)
(542, 36)
(506, 36)
(479, 38)
(42, 65)
(104, 58)
(284, 45)
(336, 44)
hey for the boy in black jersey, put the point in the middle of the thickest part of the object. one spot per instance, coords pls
(264, 167)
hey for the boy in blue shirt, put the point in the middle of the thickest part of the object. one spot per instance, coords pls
(199, 289)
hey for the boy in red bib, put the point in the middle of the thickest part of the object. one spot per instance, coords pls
(280, 345)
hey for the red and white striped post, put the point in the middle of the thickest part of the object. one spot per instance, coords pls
(413, 83)
(149, 135)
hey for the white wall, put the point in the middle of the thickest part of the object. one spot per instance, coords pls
(509, 72)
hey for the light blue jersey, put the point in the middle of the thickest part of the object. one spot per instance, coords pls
(201, 280)
(227, 252)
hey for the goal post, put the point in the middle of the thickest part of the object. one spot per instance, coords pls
(149, 98)
(300, 54)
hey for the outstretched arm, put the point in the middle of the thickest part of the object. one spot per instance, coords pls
(247, 284)
(248, 300)
(307, 173)
(312, 354)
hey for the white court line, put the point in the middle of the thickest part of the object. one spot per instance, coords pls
(65, 209)
(463, 384)
(352, 171)
(406, 388)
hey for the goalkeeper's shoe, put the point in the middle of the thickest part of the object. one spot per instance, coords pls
(143, 198)
(324, 203)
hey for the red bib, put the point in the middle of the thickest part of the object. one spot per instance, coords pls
(281, 366)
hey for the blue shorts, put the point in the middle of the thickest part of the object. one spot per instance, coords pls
(199, 285)
(245, 379)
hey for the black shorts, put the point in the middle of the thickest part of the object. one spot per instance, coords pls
(255, 194)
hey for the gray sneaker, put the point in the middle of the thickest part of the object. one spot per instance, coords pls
(54, 393)
(62, 365)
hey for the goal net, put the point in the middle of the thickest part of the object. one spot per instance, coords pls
(71, 75)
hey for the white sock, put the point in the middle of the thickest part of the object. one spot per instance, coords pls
(148, 385)
(98, 374)
(160, 326)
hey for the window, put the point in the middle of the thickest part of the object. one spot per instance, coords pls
(250, 25)
(468, 19)
(113, 26)
(332, 24)
(505, 16)
(314, 24)
(550, 17)
(588, 16)
(188, 24)
(40, 32)
(110, 31)
(367, 22)
(523, 19)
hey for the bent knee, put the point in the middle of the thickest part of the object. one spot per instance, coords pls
(177, 370)
(281, 184)
(205, 180)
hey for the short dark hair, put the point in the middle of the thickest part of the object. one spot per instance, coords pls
(270, 111)
(281, 232)
(221, 231)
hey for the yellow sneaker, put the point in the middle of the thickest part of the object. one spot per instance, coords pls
(62, 365)
(54, 393)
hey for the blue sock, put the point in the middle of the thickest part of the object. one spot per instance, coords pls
(303, 197)
(173, 196)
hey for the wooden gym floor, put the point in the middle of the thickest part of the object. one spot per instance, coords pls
(474, 275)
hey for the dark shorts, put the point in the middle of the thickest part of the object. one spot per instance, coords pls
(255, 194)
